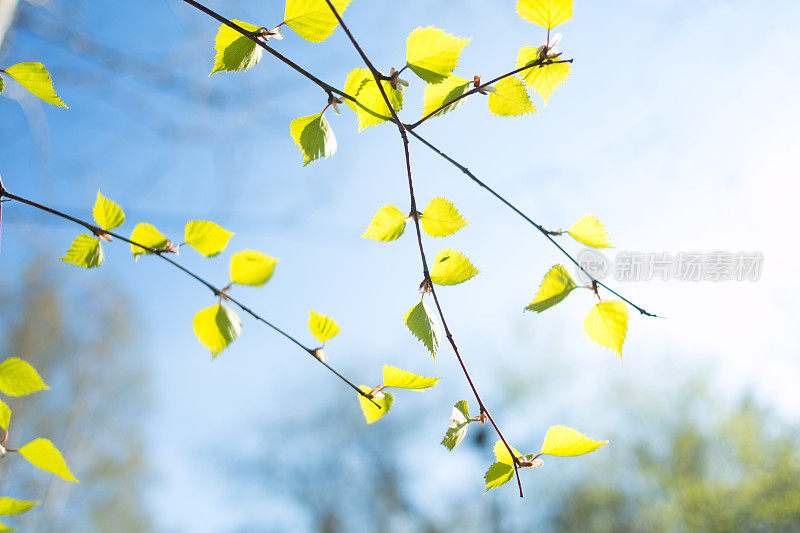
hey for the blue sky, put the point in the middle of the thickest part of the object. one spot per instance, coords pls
(677, 129)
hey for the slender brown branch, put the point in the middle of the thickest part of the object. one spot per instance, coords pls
(162, 254)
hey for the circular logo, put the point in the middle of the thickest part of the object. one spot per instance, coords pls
(593, 262)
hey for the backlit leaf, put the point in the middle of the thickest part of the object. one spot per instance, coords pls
(556, 286)
(10, 506)
(35, 78)
(3, 527)
(371, 412)
(502, 455)
(459, 423)
(206, 237)
(547, 13)
(42, 454)
(451, 268)
(18, 378)
(510, 98)
(543, 79)
(216, 327)
(322, 327)
(438, 94)
(498, 474)
(441, 218)
(432, 54)
(251, 267)
(607, 324)
(235, 51)
(387, 224)
(5, 415)
(85, 251)
(402, 379)
(313, 20)
(314, 136)
(371, 108)
(107, 214)
(567, 442)
(419, 320)
(147, 235)
(590, 232)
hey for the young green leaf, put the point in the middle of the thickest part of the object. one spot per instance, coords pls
(567, 442)
(322, 327)
(251, 267)
(235, 51)
(107, 214)
(42, 454)
(18, 378)
(206, 237)
(371, 412)
(1, 84)
(314, 136)
(216, 327)
(5, 415)
(313, 20)
(35, 78)
(85, 251)
(556, 286)
(441, 218)
(547, 13)
(607, 325)
(590, 232)
(371, 108)
(4, 528)
(510, 98)
(432, 54)
(10, 506)
(459, 424)
(451, 268)
(402, 379)
(419, 320)
(502, 455)
(147, 235)
(543, 79)
(438, 94)
(387, 224)
(498, 474)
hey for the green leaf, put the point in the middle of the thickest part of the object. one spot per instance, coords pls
(590, 232)
(5, 415)
(502, 455)
(607, 325)
(403, 379)
(1, 84)
(547, 13)
(543, 79)
(441, 218)
(322, 327)
(556, 286)
(432, 54)
(18, 378)
(4, 528)
(147, 235)
(387, 224)
(251, 267)
(206, 237)
(42, 454)
(85, 251)
(313, 20)
(10, 506)
(235, 51)
(438, 94)
(510, 98)
(371, 412)
(419, 320)
(314, 136)
(371, 108)
(567, 442)
(498, 474)
(216, 327)
(459, 424)
(107, 214)
(35, 78)
(451, 268)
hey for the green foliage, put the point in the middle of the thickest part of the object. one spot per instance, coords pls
(403, 379)
(509, 98)
(547, 13)
(85, 251)
(370, 410)
(447, 90)
(322, 327)
(147, 235)
(234, 51)
(432, 54)
(313, 20)
(314, 136)
(590, 232)
(441, 218)
(451, 268)
(421, 323)
(10, 506)
(35, 78)
(556, 286)
(42, 454)
(206, 237)
(371, 108)
(498, 474)
(251, 267)
(5, 415)
(216, 327)
(543, 79)
(107, 214)
(19, 378)
(388, 224)
(567, 442)
(607, 325)
(459, 424)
